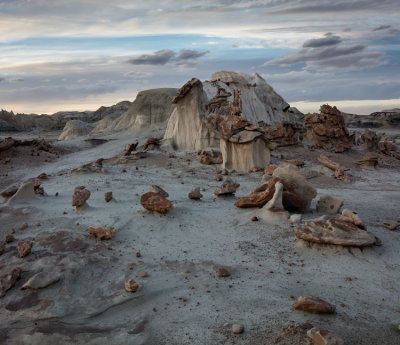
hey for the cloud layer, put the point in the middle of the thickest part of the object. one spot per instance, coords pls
(85, 52)
(164, 56)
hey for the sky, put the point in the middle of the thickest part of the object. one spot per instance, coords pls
(80, 54)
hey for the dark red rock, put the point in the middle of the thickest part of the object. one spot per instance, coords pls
(155, 202)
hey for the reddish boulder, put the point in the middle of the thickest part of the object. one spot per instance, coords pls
(155, 202)
(131, 285)
(8, 280)
(314, 305)
(24, 248)
(102, 232)
(258, 198)
(335, 231)
(81, 194)
(223, 272)
(282, 134)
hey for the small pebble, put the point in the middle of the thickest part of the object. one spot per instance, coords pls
(143, 274)
(223, 272)
(254, 219)
(131, 285)
(237, 329)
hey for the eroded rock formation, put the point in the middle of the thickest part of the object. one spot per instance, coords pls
(247, 99)
(327, 130)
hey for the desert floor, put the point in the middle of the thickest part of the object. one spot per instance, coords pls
(181, 300)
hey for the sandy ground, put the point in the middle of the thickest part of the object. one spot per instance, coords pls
(182, 300)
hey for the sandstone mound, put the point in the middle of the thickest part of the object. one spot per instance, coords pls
(151, 107)
(196, 101)
(74, 129)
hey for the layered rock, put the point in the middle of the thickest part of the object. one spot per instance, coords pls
(150, 108)
(327, 130)
(346, 230)
(228, 93)
(382, 119)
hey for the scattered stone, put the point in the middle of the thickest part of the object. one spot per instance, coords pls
(195, 194)
(225, 172)
(259, 196)
(102, 232)
(328, 204)
(335, 231)
(324, 337)
(155, 202)
(10, 238)
(389, 224)
(143, 274)
(131, 285)
(159, 190)
(218, 178)
(254, 219)
(314, 305)
(8, 280)
(227, 187)
(369, 162)
(108, 196)
(24, 248)
(41, 280)
(352, 217)
(138, 255)
(223, 272)
(80, 196)
(237, 329)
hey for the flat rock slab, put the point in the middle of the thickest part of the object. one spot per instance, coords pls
(334, 231)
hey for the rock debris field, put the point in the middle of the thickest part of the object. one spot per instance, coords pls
(118, 238)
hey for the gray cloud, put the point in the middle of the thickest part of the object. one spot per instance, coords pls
(329, 52)
(1, 79)
(329, 40)
(189, 54)
(160, 57)
(382, 27)
(164, 56)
